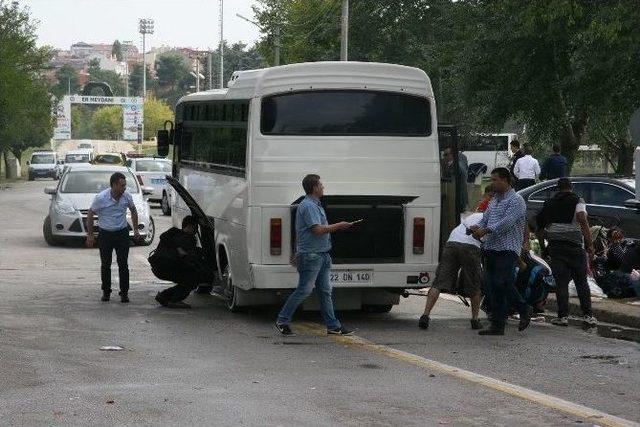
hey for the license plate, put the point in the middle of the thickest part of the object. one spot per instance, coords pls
(360, 277)
(158, 181)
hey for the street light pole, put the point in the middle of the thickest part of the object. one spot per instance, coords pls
(221, 44)
(344, 33)
(145, 27)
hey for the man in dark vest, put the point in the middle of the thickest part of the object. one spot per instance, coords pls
(179, 260)
(563, 222)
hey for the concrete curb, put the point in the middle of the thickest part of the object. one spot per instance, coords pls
(606, 311)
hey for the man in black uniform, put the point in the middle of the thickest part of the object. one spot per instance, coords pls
(177, 258)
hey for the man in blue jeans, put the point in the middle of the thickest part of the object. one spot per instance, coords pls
(502, 228)
(313, 260)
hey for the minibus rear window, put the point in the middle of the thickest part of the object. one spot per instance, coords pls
(346, 112)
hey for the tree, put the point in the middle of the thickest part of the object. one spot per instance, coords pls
(25, 102)
(116, 51)
(135, 81)
(67, 82)
(156, 113)
(107, 123)
(81, 122)
(236, 57)
(171, 69)
(113, 79)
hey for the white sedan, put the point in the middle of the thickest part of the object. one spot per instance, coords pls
(152, 172)
(71, 199)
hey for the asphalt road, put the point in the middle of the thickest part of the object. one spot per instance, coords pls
(206, 366)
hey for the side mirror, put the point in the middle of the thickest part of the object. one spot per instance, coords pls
(164, 139)
(50, 190)
(147, 191)
(61, 162)
(632, 204)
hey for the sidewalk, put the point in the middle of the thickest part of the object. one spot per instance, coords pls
(616, 311)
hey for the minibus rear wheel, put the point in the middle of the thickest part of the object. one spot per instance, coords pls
(230, 291)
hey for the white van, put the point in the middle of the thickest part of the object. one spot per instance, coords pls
(369, 130)
(490, 149)
(44, 164)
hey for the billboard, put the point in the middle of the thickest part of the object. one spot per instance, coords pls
(132, 113)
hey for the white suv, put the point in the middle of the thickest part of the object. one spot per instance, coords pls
(44, 164)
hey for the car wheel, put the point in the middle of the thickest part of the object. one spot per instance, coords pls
(48, 234)
(151, 232)
(164, 204)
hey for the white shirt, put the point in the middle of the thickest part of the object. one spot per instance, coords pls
(526, 168)
(459, 234)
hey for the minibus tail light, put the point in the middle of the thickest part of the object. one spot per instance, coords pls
(418, 236)
(275, 236)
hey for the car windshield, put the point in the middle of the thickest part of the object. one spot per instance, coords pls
(153, 166)
(77, 158)
(108, 159)
(90, 181)
(42, 159)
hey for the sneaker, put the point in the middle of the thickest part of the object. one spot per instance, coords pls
(124, 298)
(560, 321)
(285, 330)
(178, 304)
(423, 323)
(339, 331)
(590, 321)
(476, 324)
(106, 296)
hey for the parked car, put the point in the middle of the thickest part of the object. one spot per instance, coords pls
(73, 157)
(605, 198)
(85, 146)
(71, 199)
(152, 172)
(114, 159)
(44, 164)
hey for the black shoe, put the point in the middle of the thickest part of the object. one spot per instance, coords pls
(476, 324)
(285, 330)
(124, 297)
(106, 296)
(339, 331)
(160, 300)
(525, 319)
(423, 323)
(492, 331)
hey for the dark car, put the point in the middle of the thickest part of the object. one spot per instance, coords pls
(605, 197)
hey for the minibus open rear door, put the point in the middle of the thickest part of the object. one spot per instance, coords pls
(206, 233)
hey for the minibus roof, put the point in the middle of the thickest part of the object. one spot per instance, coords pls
(320, 75)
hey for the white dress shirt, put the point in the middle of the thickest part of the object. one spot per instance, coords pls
(526, 168)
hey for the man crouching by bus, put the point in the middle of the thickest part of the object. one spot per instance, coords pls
(178, 259)
(313, 235)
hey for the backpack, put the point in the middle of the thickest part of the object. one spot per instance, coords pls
(616, 284)
(535, 283)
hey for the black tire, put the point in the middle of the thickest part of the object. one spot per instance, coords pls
(151, 232)
(204, 289)
(48, 233)
(164, 204)
(380, 308)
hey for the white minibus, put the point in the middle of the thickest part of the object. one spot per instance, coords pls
(368, 129)
(490, 149)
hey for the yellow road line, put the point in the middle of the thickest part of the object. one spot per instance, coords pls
(593, 415)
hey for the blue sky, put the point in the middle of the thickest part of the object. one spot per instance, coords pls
(185, 23)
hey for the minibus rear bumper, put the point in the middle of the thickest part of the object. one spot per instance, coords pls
(401, 276)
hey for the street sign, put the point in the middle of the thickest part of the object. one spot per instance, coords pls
(634, 128)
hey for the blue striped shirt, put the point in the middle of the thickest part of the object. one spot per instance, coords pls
(505, 218)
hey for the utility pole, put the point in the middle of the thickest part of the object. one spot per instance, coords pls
(210, 61)
(221, 44)
(277, 47)
(344, 33)
(145, 27)
(197, 73)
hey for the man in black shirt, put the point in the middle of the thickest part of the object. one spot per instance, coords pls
(517, 155)
(179, 259)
